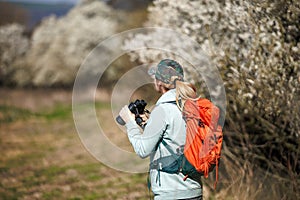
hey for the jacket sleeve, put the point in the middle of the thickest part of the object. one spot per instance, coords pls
(145, 143)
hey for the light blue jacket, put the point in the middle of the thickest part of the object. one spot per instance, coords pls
(165, 123)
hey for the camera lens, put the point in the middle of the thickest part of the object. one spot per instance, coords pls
(137, 108)
(133, 108)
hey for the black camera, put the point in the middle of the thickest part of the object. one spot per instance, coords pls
(137, 108)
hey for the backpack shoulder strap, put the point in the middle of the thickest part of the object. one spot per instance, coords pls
(172, 102)
(168, 147)
(179, 105)
(163, 141)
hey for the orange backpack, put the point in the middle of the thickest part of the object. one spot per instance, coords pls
(202, 149)
(203, 137)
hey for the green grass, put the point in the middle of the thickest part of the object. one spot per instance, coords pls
(53, 194)
(55, 176)
(59, 112)
(24, 159)
(10, 114)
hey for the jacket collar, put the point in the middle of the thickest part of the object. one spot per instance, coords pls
(168, 96)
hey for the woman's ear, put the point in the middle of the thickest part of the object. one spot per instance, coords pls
(158, 82)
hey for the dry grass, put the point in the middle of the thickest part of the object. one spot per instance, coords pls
(43, 158)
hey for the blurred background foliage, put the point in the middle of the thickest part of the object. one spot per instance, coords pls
(254, 44)
(50, 53)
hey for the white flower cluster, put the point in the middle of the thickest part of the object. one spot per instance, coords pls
(13, 44)
(254, 44)
(59, 45)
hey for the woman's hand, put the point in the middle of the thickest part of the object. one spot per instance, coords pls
(126, 115)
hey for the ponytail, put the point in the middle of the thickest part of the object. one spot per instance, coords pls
(184, 91)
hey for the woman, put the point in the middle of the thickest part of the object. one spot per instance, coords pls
(165, 133)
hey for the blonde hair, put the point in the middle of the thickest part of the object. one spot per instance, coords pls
(185, 91)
